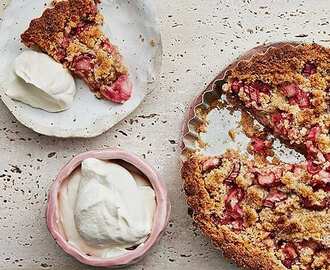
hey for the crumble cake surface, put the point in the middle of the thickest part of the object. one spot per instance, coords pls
(263, 216)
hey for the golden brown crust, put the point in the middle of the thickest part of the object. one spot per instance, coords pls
(282, 63)
(44, 31)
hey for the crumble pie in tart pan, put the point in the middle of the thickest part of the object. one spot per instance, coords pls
(261, 211)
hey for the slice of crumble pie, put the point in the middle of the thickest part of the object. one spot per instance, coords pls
(70, 33)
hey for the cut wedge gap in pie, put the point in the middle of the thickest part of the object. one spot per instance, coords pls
(70, 32)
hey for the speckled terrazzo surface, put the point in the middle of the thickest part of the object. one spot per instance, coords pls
(199, 38)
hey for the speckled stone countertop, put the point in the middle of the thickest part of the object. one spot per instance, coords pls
(199, 38)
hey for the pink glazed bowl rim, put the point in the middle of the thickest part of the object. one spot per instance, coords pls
(161, 214)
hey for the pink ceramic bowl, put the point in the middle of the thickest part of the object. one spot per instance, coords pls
(160, 219)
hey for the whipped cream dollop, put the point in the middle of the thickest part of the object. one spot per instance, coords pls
(41, 82)
(105, 209)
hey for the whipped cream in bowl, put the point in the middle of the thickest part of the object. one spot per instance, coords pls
(107, 208)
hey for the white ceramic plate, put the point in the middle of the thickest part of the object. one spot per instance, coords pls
(130, 24)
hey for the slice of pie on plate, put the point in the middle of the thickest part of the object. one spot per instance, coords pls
(70, 33)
